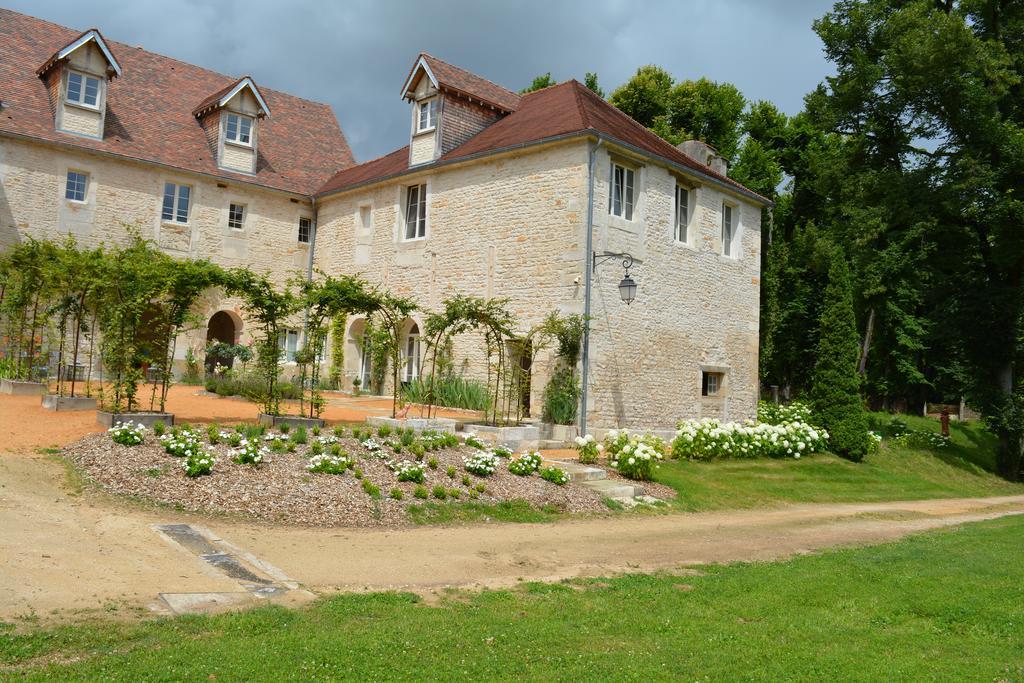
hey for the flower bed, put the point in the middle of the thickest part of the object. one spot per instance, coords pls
(710, 438)
(330, 481)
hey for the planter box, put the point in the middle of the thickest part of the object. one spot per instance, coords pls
(293, 420)
(146, 419)
(521, 438)
(439, 424)
(17, 388)
(58, 403)
(561, 433)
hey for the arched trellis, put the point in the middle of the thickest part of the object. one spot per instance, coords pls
(328, 297)
(471, 314)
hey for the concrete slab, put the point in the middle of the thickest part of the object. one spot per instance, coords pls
(205, 603)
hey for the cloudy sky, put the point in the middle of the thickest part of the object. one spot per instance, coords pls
(355, 54)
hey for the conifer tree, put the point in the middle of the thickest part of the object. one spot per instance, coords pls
(835, 391)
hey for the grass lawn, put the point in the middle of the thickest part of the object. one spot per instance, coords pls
(963, 469)
(947, 605)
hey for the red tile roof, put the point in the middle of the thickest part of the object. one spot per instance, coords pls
(561, 110)
(149, 112)
(455, 78)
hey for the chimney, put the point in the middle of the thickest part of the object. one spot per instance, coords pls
(705, 155)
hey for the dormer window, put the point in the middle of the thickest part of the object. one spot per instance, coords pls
(238, 129)
(83, 90)
(427, 119)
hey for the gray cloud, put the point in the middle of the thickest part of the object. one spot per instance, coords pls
(354, 55)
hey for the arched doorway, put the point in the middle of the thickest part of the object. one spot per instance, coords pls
(221, 328)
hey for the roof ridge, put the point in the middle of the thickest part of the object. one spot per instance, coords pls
(473, 73)
(579, 101)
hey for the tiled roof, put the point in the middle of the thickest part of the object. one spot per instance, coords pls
(149, 112)
(561, 110)
(454, 78)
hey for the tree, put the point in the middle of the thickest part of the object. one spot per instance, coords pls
(708, 111)
(835, 392)
(645, 96)
(590, 80)
(542, 81)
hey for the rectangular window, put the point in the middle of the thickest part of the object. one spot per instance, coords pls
(365, 219)
(82, 89)
(176, 202)
(415, 212)
(427, 118)
(728, 229)
(620, 201)
(236, 216)
(711, 383)
(305, 229)
(682, 213)
(288, 343)
(76, 185)
(238, 129)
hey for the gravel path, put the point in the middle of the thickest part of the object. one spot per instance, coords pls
(282, 490)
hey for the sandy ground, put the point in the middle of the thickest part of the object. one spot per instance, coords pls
(65, 554)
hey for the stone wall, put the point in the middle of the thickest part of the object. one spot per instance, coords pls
(122, 193)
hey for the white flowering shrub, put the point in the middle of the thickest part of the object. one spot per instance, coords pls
(481, 463)
(198, 464)
(250, 452)
(502, 451)
(783, 413)
(525, 465)
(371, 445)
(127, 433)
(182, 443)
(637, 460)
(588, 448)
(472, 440)
(874, 442)
(329, 464)
(555, 476)
(709, 438)
(407, 470)
(919, 438)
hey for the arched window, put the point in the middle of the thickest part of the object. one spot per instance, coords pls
(412, 354)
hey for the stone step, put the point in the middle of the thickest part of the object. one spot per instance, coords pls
(578, 472)
(552, 445)
(615, 488)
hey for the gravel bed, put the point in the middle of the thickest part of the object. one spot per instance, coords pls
(283, 490)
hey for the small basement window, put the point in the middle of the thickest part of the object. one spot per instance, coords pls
(236, 216)
(711, 383)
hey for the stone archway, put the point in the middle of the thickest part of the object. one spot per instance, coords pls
(220, 328)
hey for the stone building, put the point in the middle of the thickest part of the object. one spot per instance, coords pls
(492, 196)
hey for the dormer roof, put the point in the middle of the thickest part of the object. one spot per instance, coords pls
(91, 36)
(226, 94)
(448, 77)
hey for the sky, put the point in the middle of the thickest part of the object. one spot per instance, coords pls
(355, 55)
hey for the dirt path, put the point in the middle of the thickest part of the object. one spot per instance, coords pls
(64, 553)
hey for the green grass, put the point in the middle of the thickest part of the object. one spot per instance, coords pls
(960, 470)
(506, 511)
(946, 605)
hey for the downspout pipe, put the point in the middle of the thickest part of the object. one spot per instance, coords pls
(588, 266)
(309, 265)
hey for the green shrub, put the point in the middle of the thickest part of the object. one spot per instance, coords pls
(339, 432)
(440, 492)
(420, 492)
(396, 494)
(159, 428)
(300, 436)
(450, 472)
(450, 391)
(371, 489)
(562, 397)
(432, 463)
(213, 434)
(555, 475)
(384, 431)
(835, 388)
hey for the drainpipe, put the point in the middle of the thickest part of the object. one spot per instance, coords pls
(309, 266)
(588, 258)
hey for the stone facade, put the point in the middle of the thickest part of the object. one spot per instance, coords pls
(122, 195)
(514, 226)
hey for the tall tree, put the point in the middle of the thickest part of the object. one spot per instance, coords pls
(542, 81)
(590, 80)
(645, 96)
(835, 393)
